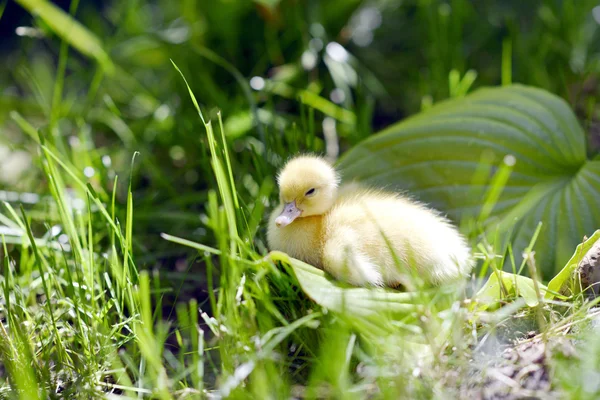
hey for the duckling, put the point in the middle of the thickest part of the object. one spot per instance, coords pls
(363, 236)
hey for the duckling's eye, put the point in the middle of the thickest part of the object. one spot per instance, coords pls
(310, 192)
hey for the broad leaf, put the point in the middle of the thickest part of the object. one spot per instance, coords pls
(434, 156)
(506, 286)
(336, 296)
(563, 282)
(372, 311)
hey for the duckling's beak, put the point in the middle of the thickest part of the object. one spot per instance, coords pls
(288, 215)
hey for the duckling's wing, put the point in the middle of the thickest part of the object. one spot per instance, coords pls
(343, 260)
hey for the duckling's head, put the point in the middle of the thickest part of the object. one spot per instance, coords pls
(307, 186)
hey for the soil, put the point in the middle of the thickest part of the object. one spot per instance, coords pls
(522, 371)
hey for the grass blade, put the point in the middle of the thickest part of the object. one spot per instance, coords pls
(70, 31)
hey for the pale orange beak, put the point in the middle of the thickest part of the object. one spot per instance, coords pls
(288, 215)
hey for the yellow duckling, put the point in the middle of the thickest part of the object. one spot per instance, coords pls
(361, 236)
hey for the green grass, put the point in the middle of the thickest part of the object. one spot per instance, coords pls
(140, 269)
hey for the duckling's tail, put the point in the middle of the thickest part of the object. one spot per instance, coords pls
(457, 262)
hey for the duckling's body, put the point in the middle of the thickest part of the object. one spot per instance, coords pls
(364, 237)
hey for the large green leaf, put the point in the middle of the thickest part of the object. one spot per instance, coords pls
(372, 311)
(434, 156)
(336, 296)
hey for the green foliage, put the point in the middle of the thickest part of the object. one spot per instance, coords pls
(576, 366)
(70, 30)
(566, 281)
(361, 302)
(434, 156)
(504, 285)
(365, 307)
